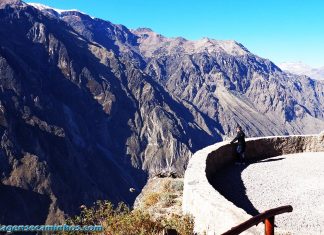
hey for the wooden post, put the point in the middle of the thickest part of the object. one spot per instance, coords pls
(269, 226)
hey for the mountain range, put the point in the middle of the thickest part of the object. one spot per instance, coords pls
(300, 68)
(90, 109)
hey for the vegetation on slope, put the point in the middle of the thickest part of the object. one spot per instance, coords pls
(121, 220)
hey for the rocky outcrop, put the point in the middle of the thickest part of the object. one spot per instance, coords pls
(161, 197)
(200, 197)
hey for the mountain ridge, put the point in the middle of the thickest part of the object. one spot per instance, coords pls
(300, 68)
(89, 109)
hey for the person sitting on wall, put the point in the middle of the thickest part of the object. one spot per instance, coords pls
(240, 148)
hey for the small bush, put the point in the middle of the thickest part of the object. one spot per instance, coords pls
(167, 187)
(177, 186)
(183, 224)
(151, 199)
(168, 199)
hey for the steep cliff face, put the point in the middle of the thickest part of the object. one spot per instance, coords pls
(79, 122)
(89, 109)
(58, 138)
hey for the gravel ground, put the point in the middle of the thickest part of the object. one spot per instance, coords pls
(297, 180)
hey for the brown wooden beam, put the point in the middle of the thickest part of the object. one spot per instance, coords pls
(258, 219)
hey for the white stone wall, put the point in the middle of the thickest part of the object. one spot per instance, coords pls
(213, 213)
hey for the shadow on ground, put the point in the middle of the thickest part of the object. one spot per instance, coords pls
(229, 183)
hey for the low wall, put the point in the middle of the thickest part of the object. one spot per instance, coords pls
(213, 213)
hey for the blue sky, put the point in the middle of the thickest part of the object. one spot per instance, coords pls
(281, 30)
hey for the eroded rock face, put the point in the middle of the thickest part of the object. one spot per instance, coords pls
(80, 123)
(92, 108)
(229, 85)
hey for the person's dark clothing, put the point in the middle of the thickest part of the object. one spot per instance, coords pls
(240, 148)
(240, 138)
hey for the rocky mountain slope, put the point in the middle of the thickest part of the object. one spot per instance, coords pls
(90, 108)
(226, 82)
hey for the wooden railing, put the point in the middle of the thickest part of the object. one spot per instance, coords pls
(267, 217)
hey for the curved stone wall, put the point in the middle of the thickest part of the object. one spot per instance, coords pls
(213, 213)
